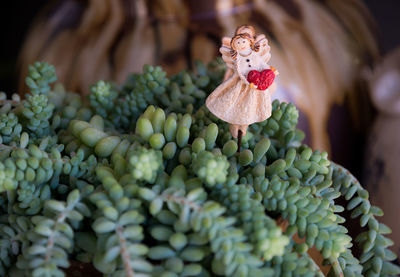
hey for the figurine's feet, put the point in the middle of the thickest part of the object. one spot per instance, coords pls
(234, 129)
(243, 128)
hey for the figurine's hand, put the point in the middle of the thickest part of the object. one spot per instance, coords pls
(253, 86)
(276, 72)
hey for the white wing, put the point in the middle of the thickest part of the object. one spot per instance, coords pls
(264, 49)
(225, 50)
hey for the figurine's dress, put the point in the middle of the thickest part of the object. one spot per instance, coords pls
(234, 101)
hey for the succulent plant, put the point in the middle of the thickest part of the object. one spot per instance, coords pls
(144, 181)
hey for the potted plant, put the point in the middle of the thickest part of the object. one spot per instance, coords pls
(141, 180)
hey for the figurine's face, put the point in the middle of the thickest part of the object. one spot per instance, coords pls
(241, 44)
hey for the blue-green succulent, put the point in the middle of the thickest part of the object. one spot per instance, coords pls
(144, 181)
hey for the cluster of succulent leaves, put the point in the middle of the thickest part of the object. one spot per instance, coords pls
(142, 180)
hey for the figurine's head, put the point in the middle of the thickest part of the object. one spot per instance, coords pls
(242, 42)
(244, 39)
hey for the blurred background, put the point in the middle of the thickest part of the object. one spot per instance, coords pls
(339, 62)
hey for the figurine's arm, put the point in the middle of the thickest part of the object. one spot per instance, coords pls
(243, 78)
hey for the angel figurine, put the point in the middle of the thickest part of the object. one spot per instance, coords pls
(245, 95)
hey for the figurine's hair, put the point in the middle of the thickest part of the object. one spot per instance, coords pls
(254, 46)
(246, 29)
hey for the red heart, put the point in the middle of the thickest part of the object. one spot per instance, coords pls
(261, 79)
(254, 77)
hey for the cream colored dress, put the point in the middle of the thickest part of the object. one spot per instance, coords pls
(234, 101)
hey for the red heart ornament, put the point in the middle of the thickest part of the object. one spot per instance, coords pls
(261, 79)
(253, 77)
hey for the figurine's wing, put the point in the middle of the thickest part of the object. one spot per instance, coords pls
(226, 41)
(264, 49)
(227, 56)
(260, 37)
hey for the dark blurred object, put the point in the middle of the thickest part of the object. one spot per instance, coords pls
(319, 47)
(15, 19)
(382, 156)
(79, 269)
(386, 14)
